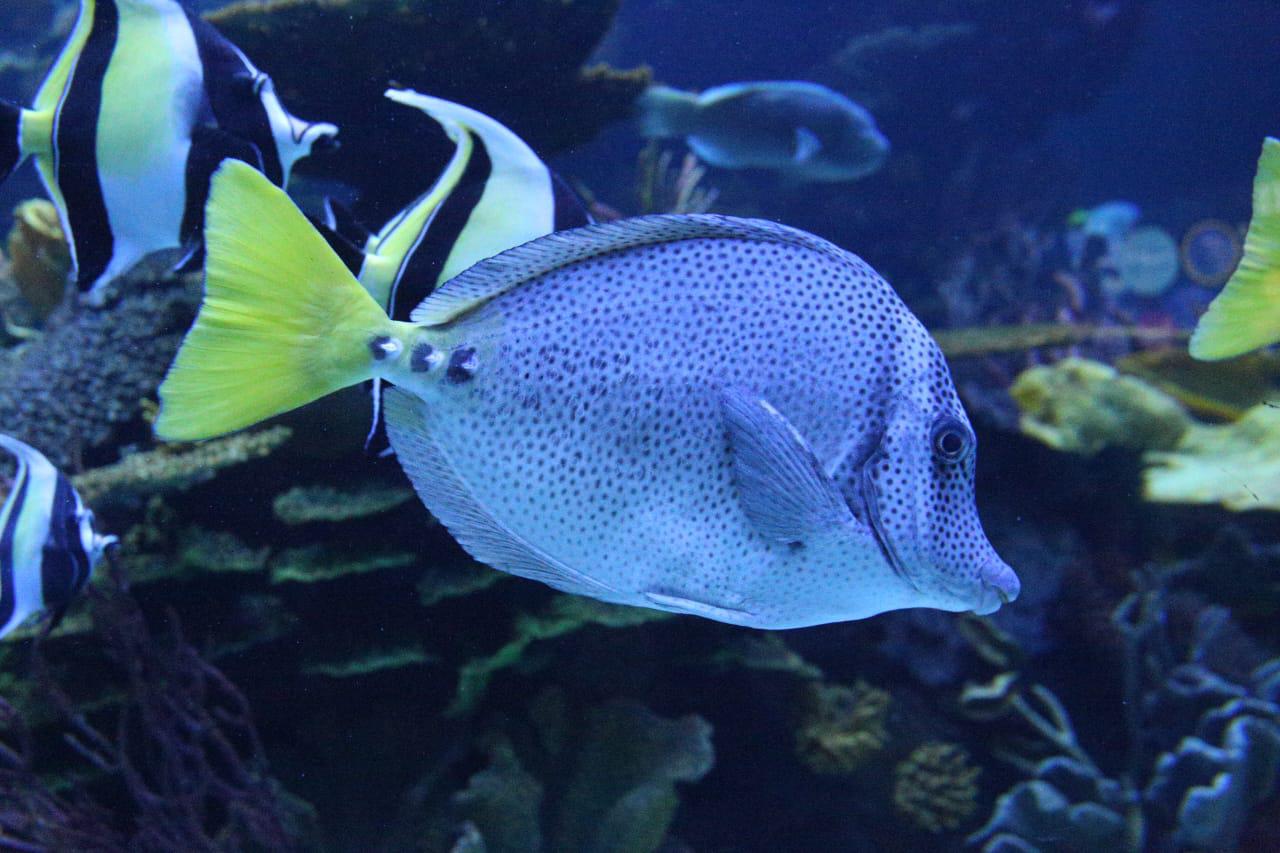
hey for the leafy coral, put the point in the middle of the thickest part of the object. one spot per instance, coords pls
(566, 614)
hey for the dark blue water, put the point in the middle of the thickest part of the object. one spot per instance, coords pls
(288, 651)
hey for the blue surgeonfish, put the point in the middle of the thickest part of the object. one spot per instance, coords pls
(702, 414)
(48, 545)
(494, 193)
(1246, 315)
(802, 130)
(137, 111)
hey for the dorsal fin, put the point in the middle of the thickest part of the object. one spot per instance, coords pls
(501, 273)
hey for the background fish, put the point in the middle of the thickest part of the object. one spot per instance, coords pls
(137, 111)
(494, 193)
(48, 546)
(653, 412)
(800, 129)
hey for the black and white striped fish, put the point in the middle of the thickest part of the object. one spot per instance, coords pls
(143, 103)
(48, 545)
(494, 193)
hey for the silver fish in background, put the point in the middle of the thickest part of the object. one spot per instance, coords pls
(797, 129)
(493, 194)
(701, 414)
(143, 103)
(48, 545)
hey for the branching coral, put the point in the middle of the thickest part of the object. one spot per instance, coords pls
(841, 727)
(936, 787)
(172, 468)
(320, 562)
(662, 187)
(180, 749)
(305, 504)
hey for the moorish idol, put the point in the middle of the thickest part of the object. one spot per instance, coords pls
(48, 545)
(494, 193)
(143, 103)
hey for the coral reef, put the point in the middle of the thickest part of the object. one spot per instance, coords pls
(305, 504)
(565, 615)
(936, 787)
(597, 779)
(322, 562)
(841, 727)
(764, 653)
(39, 260)
(1067, 806)
(451, 580)
(368, 661)
(1237, 465)
(182, 752)
(1203, 750)
(170, 468)
(1212, 390)
(662, 187)
(77, 391)
(1083, 406)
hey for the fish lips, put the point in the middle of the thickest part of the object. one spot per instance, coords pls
(1000, 585)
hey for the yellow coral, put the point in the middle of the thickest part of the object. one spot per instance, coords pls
(1236, 465)
(176, 468)
(39, 259)
(841, 727)
(1083, 406)
(936, 787)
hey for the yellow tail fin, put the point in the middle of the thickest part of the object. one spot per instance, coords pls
(282, 323)
(1246, 314)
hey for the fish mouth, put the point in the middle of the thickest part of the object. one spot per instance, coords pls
(999, 587)
(871, 500)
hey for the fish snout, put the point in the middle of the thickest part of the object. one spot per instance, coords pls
(999, 586)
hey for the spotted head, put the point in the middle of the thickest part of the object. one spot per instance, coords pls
(918, 488)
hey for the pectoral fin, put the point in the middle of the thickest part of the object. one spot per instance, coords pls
(782, 486)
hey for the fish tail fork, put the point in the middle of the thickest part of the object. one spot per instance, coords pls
(283, 321)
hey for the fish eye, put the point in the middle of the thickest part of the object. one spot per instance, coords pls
(951, 441)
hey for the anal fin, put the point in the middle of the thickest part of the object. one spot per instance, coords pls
(449, 499)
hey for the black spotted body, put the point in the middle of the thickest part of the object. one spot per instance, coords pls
(590, 425)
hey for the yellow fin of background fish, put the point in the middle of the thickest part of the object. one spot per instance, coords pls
(1246, 314)
(283, 321)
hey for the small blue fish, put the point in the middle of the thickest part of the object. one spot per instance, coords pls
(493, 194)
(48, 545)
(143, 103)
(801, 130)
(703, 414)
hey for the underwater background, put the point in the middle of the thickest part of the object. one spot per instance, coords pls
(290, 653)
